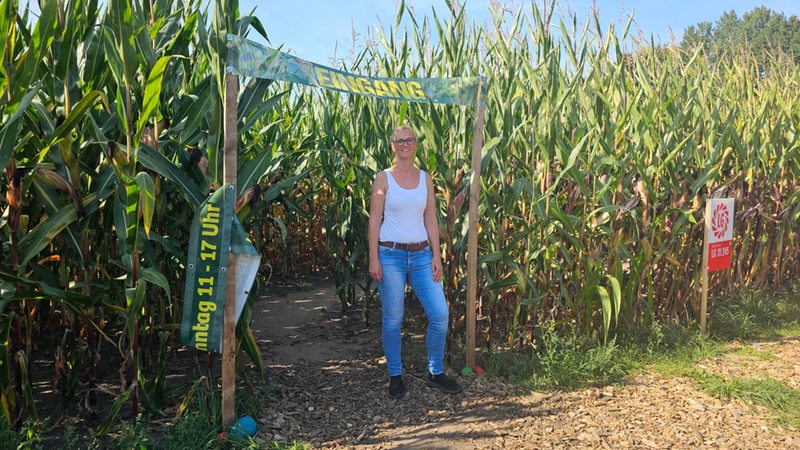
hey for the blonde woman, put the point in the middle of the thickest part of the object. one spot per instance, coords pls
(404, 249)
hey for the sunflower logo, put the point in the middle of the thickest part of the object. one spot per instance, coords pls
(720, 218)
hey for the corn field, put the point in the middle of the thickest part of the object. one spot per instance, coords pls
(600, 152)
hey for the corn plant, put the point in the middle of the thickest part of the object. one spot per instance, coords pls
(109, 118)
(599, 153)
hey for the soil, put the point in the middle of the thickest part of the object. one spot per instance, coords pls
(329, 374)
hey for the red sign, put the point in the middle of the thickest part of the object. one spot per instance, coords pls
(719, 255)
(720, 233)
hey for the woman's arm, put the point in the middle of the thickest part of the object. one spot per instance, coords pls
(377, 201)
(431, 218)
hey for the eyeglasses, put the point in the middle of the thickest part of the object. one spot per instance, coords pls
(408, 141)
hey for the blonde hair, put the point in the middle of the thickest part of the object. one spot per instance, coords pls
(403, 128)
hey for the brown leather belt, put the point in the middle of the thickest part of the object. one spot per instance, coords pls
(412, 247)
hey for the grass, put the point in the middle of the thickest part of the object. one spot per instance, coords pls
(198, 427)
(672, 351)
(779, 399)
(565, 363)
(758, 316)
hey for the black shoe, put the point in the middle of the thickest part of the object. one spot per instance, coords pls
(443, 383)
(397, 389)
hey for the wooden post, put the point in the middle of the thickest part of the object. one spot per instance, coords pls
(472, 233)
(229, 316)
(704, 270)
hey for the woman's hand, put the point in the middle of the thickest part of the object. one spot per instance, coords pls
(375, 270)
(436, 268)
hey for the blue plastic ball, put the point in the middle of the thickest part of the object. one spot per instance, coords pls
(244, 427)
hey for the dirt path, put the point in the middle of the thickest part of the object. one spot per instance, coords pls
(331, 385)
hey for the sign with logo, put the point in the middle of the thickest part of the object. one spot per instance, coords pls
(719, 232)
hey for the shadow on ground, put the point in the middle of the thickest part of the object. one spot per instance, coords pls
(329, 374)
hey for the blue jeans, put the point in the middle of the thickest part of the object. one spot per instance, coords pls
(401, 267)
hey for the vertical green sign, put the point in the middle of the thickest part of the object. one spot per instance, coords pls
(207, 272)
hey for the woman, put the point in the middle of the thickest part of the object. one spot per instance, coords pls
(404, 248)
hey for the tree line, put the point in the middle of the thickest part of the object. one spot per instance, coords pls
(762, 31)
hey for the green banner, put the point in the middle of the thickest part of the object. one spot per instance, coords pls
(250, 59)
(216, 233)
(206, 272)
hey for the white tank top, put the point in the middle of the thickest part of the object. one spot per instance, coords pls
(403, 212)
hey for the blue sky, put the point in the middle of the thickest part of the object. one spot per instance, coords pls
(321, 30)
